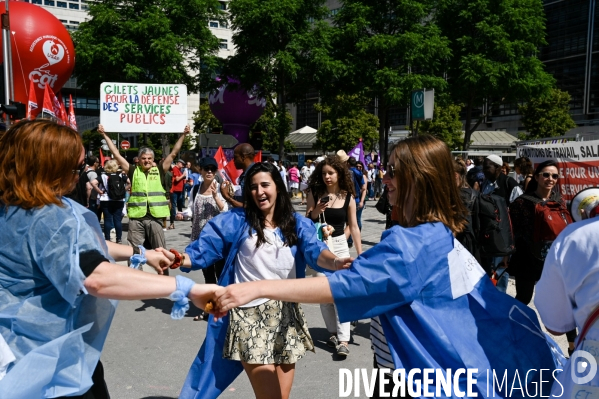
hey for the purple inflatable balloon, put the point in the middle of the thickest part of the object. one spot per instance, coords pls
(237, 110)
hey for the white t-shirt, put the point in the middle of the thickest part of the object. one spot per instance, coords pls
(568, 291)
(271, 261)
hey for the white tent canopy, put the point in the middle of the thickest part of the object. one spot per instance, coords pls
(305, 129)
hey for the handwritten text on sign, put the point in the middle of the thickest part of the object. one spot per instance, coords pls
(578, 163)
(144, 108)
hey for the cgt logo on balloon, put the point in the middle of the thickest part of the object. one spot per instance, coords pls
(54, 50)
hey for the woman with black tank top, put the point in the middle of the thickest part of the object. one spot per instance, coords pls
(331, 182)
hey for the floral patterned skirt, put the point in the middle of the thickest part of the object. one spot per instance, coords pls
(275, 332)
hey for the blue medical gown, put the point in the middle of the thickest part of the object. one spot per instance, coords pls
(210, 373)
(439, 310)
(54, 328)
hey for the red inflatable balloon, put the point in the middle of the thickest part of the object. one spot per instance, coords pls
(42, 50)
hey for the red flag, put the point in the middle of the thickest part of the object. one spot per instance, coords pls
(220, 158)
(232, 171)
(72, 119)
(258, 156)
(103, 158)
(32, 103)
(63, 118)
(48, 105)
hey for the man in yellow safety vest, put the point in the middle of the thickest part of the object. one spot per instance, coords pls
(148, 203)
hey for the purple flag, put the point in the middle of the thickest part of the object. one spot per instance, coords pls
(358, 152)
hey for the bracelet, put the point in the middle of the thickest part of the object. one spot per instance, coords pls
(178, 259)
(137, 260)
(179, 296)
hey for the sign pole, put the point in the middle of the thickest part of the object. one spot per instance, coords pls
(7, 59)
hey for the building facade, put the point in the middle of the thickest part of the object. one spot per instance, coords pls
(571, 56)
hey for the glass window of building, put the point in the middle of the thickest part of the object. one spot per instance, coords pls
(73, 6)
(224, 44)
(222, 5)
(49, 3)
(36, 1)
(61, 4)
(213, 24)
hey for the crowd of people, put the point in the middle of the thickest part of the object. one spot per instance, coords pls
(433, 287)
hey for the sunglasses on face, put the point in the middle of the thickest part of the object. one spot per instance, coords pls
(547, 175)
(210, 169)
(390, 170)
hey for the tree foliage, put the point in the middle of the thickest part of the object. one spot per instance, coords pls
(446, 125)
(384, 49)
(271, 40)
(204, 120)
(267, 125)
(547, 115)
(147, 41)
(494, 46)
(346, 122)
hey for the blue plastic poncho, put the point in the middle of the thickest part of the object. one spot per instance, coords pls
(439, 310)
(53, 327)
(221, 238)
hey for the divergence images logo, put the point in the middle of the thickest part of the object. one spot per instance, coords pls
(583, 362)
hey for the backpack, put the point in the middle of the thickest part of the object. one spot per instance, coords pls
(357, 177)
(496, 237)
(116, 187)
(468, 237)
(550, 218)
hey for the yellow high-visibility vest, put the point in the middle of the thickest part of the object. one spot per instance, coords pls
(147, 191)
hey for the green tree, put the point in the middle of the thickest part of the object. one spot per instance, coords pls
(446, 125)
(382, 50)
(147, 41)
(346, 122)
(204, 120)
(270, 37)
(494, 47)
(267, 126)
(547, 115)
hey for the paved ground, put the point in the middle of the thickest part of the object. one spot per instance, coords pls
(147, 354)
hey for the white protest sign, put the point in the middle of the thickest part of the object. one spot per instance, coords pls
(143, 108)
(578, 163)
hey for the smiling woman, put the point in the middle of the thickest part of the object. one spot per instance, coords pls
(436, 307)
(265, 240)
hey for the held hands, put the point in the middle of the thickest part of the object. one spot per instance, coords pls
(101, 130)
(232, 296)
(204, 296)
(218, 300)
(160, 259)
(342, 263)
(186, 131)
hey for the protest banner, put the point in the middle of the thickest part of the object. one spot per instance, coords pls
(143, 108)
(578, 163)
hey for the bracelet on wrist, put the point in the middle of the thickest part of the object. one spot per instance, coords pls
(178, 259)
